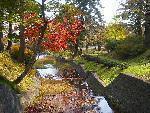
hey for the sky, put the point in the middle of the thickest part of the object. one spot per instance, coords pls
(109, 10)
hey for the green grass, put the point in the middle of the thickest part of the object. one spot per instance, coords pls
(140, 66)
(105, 74)
(43, 61)
(142, 71)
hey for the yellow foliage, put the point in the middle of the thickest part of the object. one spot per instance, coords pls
(54, 87)
(116, 31)
(11, 70)
(15, 52)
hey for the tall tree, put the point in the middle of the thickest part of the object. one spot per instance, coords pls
(147, 25)
(69, 12)
(92, 18)
(21, 29)
(91, 9)
(138, 14)
(133, 11)
(26, 6)
(52, 35)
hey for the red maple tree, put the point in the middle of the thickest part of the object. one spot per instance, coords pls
(57, 34)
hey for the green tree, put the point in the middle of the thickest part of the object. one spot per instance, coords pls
(91, 9)
(137, 12)
(37, 47)
(115, 32)
(133, 11)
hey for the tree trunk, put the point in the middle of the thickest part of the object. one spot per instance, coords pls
(43, 28)
(30, 65)
(25, 72)
(99, 47)
(9, 37)
(9, 45)
(147, 25)
(138, 26)
(75, 51)
(22, 44)
(86, 46)
(1, 36)
(138, 20)
(20, 78)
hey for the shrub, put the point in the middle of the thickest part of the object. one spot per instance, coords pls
(106, 62)
(111, 44)
(15, 53)
(129, 50)
(130, 47)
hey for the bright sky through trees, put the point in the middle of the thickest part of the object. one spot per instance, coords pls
(110, 7)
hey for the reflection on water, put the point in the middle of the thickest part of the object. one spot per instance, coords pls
(49, 72)
(99, 105)
(41, 56)
(102, 105)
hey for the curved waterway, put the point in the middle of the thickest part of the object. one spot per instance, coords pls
(98, 104)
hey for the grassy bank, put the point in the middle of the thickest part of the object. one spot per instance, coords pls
(11, 70)
(138, 66)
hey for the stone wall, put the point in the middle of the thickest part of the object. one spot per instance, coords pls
(9, 101)
(127, 94)
(95, 84)
(132, 94)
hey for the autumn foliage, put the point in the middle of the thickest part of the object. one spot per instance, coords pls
(57, 34)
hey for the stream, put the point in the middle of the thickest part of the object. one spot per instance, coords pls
(92, 103)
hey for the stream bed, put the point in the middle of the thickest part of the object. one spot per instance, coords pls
(82, 100)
